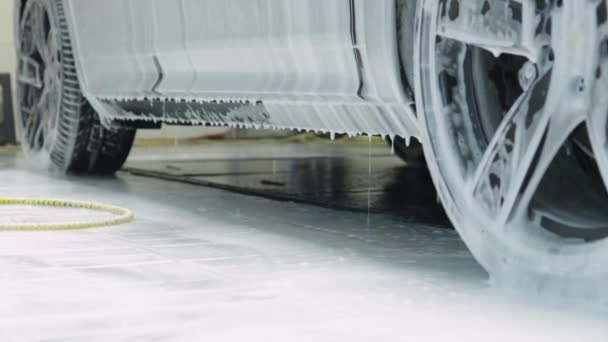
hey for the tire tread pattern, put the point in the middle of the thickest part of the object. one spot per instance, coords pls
(83, 144)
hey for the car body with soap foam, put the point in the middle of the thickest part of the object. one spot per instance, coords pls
(508, 98)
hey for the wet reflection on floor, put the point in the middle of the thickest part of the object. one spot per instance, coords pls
(340, 179)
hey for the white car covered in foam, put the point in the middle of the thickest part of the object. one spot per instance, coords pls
(508, 97)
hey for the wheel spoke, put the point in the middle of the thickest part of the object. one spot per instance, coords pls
(522, 151)
(540, 122)
(31, 125)
(510, 153)
(597, 123)
(46, 89)
(597, 126)
(26, 45)
(42, 34)
(30, 72)
(498, 26)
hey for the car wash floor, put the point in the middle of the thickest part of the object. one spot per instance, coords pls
(302, 260)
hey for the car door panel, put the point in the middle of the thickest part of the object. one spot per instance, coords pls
(312, 64)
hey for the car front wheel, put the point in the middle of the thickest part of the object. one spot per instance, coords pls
(513, 112)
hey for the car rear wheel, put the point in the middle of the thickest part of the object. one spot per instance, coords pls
(410, 152)
(513, 114)
(59, 128)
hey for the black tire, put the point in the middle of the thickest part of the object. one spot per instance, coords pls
(406, 35)
(100, 150)
(411, 154)
(59, 127)
(406, 32)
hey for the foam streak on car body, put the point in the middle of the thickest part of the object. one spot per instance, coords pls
(293, 65)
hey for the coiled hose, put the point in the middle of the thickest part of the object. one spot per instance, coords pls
(120, 215)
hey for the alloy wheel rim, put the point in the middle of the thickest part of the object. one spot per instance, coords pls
(562, 85)
(39, 75)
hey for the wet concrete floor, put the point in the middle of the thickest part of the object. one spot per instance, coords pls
(204, 264)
